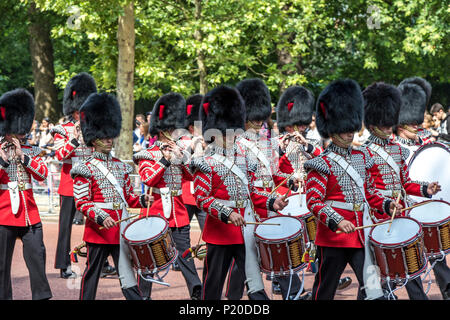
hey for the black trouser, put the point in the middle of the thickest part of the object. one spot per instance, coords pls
(442, 275)
(200, 214)
(182, 239)
(66, 214)
(331, 265)
(34, 255)
(216, 264)
(96, 256)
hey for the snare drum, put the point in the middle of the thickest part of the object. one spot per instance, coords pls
(151, 244)
(280, 247)
(435, 219)
(297, 208)
(399, 253)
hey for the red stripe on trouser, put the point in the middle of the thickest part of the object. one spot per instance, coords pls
(229, 277)
(85, 271)
(320, 273)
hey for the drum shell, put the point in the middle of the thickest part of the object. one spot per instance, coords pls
(400, 260)
(153, 254)
(436, 233)
(280, 256)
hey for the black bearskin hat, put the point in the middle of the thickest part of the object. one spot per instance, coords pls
(16, 112)
(166, 113)
(76, 92)
(415, 93)
(339, 108)
(191, 113)
(256, 97)
(382, 104)
(222, 108)
(295, 107)
(100, 117)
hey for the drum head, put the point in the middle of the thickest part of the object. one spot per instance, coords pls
(431, 162)
(432, 212)
(296, 206)
(288, 227)
(144, 228)
(402, 230)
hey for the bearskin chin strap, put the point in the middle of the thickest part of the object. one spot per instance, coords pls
(409, 129)
(254, 126)
(167, 135)
(379, 133)
(341, 141)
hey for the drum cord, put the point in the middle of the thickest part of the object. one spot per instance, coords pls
(391, 292)
(301, 287)
(428, 274)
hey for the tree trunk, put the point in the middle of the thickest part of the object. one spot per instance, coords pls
(125, 80)
(41, 52)
(200, 53)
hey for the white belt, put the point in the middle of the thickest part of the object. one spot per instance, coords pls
(109, 205)
(390, 193)
(173, 193)
(263, 184)
(346, 205)
(234, 204)
(71, 160)
(22, 186)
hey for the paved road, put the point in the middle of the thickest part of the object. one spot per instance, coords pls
(109, 287)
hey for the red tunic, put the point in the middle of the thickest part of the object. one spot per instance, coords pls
(327, 181)
(213, 183)
(69, 151)
(33, 166)
(156, 172)
(264, 152)
(91, 187)
(386, 180)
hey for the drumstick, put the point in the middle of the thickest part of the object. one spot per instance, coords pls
(363, 227)
(416, 205)
(119, 221)
(395, 211)
(284, 181)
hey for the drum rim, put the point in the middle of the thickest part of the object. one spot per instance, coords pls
(426, 146)
(397, 244)
(435, 223)
(292, 237)
(152, 239)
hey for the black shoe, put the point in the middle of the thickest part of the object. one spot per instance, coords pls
(306, 296)
(197, 293)
(78, 222)
(258, 295)
(344, 283)
(276, 288)
(176, 266)
(67, 274)
(108, 271)
(446, 295)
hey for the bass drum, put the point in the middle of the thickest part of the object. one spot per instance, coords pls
(431, 162)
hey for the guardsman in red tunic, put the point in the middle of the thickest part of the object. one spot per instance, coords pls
(382, 104)
(103, 191)
(70, 149)
(416, 93)
(224, 189)
(19, 215)
(162, 168)
(339, 190)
